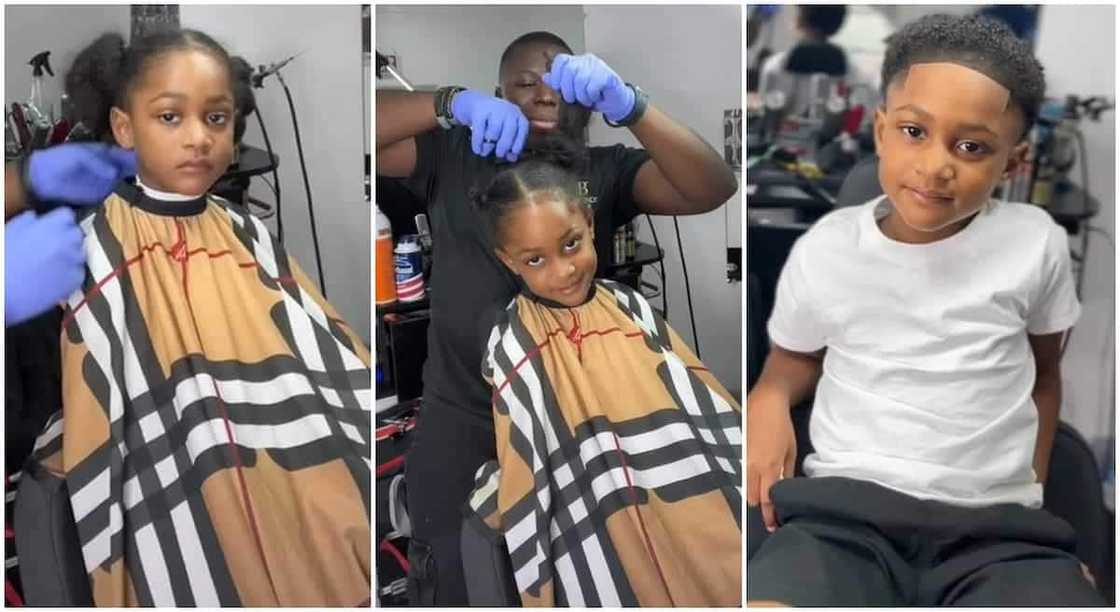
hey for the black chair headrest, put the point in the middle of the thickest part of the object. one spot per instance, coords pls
(817, 57)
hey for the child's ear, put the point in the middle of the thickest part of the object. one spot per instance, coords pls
(1017, 158)
(880, 126)
(506, 261)
(121, 124)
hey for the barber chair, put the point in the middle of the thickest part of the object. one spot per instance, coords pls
(50, 557)
(487, 568)
(1073, 489)
(804, 62)
(861, 184)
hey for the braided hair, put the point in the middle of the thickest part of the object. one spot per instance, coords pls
(550, 166)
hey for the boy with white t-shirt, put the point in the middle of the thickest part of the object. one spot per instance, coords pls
(930, 322)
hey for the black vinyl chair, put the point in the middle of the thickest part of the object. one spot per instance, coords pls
(861, 184)
(487, 568)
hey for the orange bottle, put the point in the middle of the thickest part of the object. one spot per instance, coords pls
(385, 283)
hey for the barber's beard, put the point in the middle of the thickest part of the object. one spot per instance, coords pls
(572, 124)
(573, 121)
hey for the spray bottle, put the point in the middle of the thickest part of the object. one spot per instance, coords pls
(385, 285)
(38, 63)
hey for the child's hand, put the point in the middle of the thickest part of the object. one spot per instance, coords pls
(591, 82)
(771, 450)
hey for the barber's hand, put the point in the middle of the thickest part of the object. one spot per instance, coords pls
(497, 126)
(78, 173)
(771, 451)
(591, 82)
(44, 262)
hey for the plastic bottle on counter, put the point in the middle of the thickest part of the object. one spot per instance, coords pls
(385, 286)
(409, 269)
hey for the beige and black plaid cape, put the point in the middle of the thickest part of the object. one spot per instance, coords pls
(619, 472)
(215, 428)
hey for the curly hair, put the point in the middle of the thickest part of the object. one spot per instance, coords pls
(103, 74)
(980, 43)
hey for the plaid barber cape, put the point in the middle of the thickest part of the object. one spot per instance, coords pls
(216, 421)
(619, 472)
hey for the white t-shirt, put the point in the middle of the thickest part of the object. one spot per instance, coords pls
(928, 375)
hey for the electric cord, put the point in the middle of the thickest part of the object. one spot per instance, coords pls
(661, 264)
(306, 186)
(1112, 243)
(1084, 163)
(265, 205)
(687, 288)
(270, 184)
(275, 177)
(1083, 257)
(1105, 235)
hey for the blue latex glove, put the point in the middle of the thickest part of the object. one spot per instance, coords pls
(44, 262)
(497, 126)
(591, 82)
(78, 173)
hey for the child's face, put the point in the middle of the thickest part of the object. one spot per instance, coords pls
(550, 243)
(946, 136)
(180, 121)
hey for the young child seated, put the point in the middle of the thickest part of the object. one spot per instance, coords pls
(215, 429)
(930, 322)
(618, 479)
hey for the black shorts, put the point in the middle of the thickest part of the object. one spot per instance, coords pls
(845, 542)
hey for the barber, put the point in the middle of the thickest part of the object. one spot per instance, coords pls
(448, 142)
(44, 261)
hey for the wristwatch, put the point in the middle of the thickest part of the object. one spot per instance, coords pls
(444, 117)
(641, 100)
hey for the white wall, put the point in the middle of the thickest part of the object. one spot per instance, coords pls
(1077, 47)
(326, 84)
(62, 30)
(461, 44)
(688, 58)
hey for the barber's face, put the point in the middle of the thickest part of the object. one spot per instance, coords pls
(521, 84)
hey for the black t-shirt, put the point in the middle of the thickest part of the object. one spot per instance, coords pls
(468, 284)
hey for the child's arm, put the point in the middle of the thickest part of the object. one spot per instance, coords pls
(787, 375)
(1047, 396)
(787, 379)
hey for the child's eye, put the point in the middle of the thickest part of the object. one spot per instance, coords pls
(534, 261)
(912, 131)
(572, 244)
(217, 118)
(972, 147)
(169, 117)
